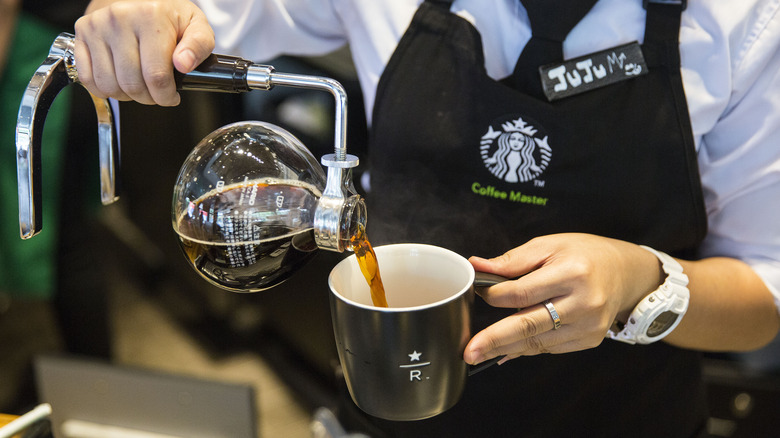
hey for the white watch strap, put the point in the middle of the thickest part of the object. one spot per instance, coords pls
(669, 265)
(672, 295)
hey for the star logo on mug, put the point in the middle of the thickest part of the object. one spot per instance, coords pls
(415, 373)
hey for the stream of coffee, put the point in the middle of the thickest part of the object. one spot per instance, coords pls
(366, 258)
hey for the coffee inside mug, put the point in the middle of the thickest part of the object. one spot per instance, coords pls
(414, 276)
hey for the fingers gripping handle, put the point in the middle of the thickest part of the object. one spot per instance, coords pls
(483, 279)
(227, 74)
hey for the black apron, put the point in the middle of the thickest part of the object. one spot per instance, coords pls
(462, 161)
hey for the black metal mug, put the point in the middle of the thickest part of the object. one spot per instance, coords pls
(405, 362)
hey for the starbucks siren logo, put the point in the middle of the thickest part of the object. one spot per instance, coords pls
(515, 153)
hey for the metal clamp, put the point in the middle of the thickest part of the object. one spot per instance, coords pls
(57, 72)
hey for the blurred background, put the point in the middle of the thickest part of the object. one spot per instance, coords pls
(109, 284)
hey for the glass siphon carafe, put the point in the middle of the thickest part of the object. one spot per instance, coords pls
(245, 206)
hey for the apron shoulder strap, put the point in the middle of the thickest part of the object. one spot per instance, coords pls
(663, 21)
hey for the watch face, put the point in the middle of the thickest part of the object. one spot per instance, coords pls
(662, 323)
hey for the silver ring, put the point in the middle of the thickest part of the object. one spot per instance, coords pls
(553, 314)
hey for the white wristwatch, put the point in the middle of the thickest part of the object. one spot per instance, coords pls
(658, 313)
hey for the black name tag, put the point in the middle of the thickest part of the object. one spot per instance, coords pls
(592, 71)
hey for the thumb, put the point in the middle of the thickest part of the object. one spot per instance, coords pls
(514, 263)
(485, 265)
(195, 45)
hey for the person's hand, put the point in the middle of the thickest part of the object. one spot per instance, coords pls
(589, 279)
(127, 50)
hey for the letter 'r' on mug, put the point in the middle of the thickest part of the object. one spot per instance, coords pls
(404, 362)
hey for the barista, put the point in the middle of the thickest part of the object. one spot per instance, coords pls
(678, 154)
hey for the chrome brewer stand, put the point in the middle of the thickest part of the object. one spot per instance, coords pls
(218, 73)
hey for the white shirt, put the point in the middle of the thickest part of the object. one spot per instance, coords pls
(730, 68)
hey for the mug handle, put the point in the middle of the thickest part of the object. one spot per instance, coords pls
(483, 279)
